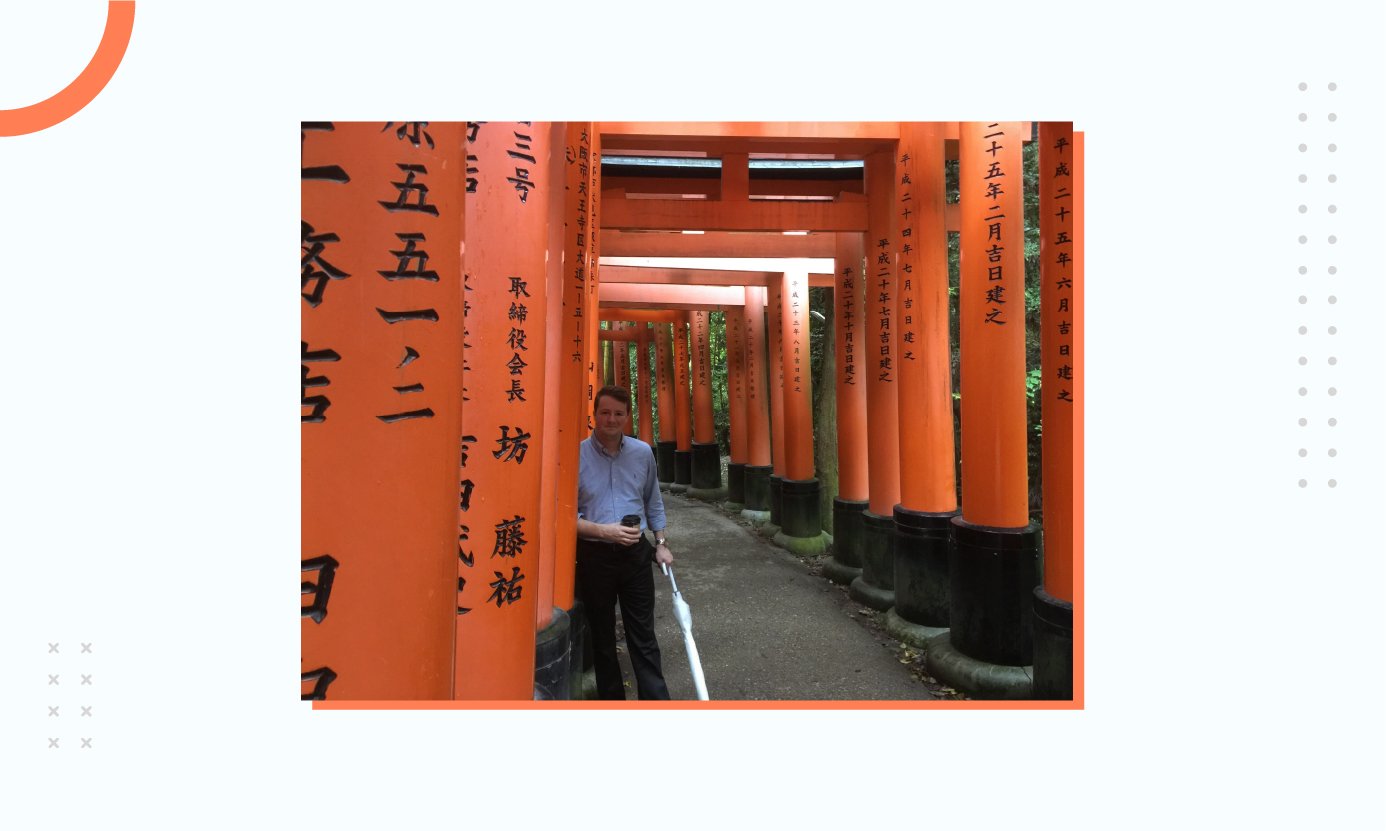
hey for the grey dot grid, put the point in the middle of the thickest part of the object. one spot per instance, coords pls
(1313, 285)
(60, 715)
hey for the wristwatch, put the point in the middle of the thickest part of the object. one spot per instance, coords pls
(661, 540)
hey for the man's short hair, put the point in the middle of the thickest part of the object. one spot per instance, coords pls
(621, 394)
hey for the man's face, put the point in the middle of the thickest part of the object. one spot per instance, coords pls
(611, 418)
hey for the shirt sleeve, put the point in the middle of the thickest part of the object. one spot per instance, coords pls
(654, 502)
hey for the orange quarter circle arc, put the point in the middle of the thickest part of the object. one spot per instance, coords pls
(120, 22)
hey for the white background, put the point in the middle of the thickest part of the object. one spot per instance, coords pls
(149, 457)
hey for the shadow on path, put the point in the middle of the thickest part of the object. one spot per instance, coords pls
(765, 627)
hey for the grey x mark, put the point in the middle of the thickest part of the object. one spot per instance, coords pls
(52, 743)
(86, 711)
(86, 647)
(52, 711)
(52, 647)
(86, 680)
(86, 743)
(52, 680)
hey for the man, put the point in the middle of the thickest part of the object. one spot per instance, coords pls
(617, 478)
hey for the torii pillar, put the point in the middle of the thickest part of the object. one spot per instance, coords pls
(876, 585)
(381, 352)
(928, 485)
(801, 526)
(774, 313)
(642, 382)
(735, 323)
(853, 356)
(683, 452)
(707, 454)
(1061, 315)
(664, 367)
(507, 236)
(620, 362)
(758, 461)
(995, 557)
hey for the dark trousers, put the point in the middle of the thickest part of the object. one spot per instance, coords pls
(607, 573)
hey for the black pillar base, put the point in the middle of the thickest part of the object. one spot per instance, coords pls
(553, 659)
(736, 486)
(664, 458)
(771, 528)
(1053, 643)
(580, 648)
(922, 540)
(801, 526)
(844, 565)
(707, 472)
(683, 470)
(994, 573)
(876, 585)
(757, 508)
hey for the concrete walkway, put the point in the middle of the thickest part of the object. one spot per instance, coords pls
(766, 628)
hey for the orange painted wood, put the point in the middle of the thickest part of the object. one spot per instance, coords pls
(620, 355)
(379, 433)
(925, 386)
(594, 249)
(572, 398)
(683, 422)
(716, 244)
(554, 312)
(640, 315)
(685, 276)
(703, 431)
(759, 215)
(992, 326)
(880, 323)
(621, 334)
(711, 188)
(854, 362)
(642, 383)
(736, 177)
(775, 327)
(664, 369)
(507, 236)
(758, 451)
(1060, 244)
(798, 378)
(686, 298)
(845, 139)
(735, 324)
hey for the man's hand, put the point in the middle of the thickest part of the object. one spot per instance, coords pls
(615, 532)
(663, 556)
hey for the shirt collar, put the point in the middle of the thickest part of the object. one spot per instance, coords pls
(602, 449)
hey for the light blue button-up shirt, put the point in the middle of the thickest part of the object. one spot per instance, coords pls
(612, 486)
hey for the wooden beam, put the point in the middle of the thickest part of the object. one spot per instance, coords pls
(698, 277)
(616, 243)
(671, 185)
(704, 215)
(640, 316)
(842, 139)
(686, 298)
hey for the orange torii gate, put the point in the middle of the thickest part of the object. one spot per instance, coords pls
(965, 587)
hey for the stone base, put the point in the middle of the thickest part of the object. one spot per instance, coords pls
(1053, 642)
(758, 487)
(733, 507)
(683, 469)
(914, 634)
(736, 482)
(664, 460)
(677, 488)
(876, 585)
(978, 679)
(666, 486)
(552, 659)
(707, 495)
(707, 467)
(993, 573)
(922, 541)
(868, 595)
(799, 508)
(803, 546)
(768, 530)
(756, 518)
(836, 572)
(776, 505)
